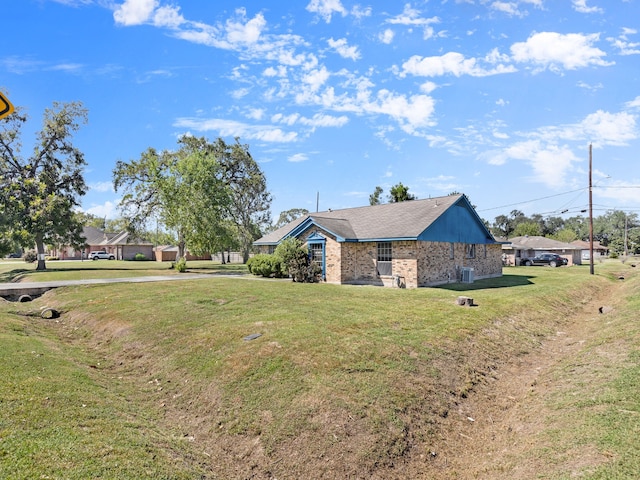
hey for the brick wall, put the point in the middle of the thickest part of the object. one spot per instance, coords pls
(418, 264)
(441, 263)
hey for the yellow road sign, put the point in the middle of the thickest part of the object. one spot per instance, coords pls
(6, 108)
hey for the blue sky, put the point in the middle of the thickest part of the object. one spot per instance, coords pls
(496, 99)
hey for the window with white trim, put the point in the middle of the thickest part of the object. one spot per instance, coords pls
(385, 255)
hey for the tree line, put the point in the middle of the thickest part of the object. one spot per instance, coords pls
(617, 230)
(207, 196)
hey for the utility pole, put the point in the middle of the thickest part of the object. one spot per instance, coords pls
(626, 236)
(590, 210)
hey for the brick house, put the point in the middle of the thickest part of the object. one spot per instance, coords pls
(412, 244)
(121, 245)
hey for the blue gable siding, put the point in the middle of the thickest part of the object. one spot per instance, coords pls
(458, 224)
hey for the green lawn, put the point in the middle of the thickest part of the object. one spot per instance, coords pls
(18, 270)
(159, 381)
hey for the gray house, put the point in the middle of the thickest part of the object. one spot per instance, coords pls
(518, 248)
(414, 243)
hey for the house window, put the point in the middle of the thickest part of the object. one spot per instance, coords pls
(452, 251)
(316, 253)
(470, 251)
(485, 250)
(384, 258)
(272, 248)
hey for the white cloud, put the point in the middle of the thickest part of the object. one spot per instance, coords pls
(323, 120)
(245, 31)
(452, 63)
(581, 6)
(255, 113)
(625, 192)
(231, 128)
(168, 17)
(285, 119)
(67, 67)
(623, 44)
(410, 112)
(240, 93)
(413, 17)
(428, 87)
(588, 86)
(549, 151)
(107, 209)
(134, 12)
(635, 103)
(550, 163)
(298, 157)
(326, 8)
(318, 120)
(101, 187)
(554, 50)
(316, 78)
(610, 128)
(360, 12)
(510, 8)
(386, 36)
(343, 49)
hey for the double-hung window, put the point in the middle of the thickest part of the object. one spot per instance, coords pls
(384, 258)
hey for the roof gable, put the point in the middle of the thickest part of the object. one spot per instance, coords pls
(450, 219)
(447, 227)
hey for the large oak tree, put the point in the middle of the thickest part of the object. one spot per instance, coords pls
(212, 194)
(39, 192)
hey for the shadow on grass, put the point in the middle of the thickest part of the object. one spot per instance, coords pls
(501, 282)
(13, 275)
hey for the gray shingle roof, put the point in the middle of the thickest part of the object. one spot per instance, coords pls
(96, 237)
(534, 242)
(387, 221)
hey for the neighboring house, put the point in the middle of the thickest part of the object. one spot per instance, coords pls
(415, 243)
(598, 250)
(517, 248)
(120, 244)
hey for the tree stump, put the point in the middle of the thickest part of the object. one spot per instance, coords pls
(465, 301)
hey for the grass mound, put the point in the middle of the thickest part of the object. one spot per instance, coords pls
(229, 378)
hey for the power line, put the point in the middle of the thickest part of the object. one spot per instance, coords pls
(533, 200)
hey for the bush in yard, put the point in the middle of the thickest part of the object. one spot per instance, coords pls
(181, 265)
(265, 265)
(139, 257)
(30, 256)
(296, 262)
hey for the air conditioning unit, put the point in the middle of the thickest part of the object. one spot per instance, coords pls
(467, 274)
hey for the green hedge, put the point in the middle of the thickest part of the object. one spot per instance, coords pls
(265, 265)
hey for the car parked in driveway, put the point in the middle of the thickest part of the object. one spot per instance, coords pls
(547, 259)
(101, 254)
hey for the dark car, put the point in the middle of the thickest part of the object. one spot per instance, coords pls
(550, 259)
